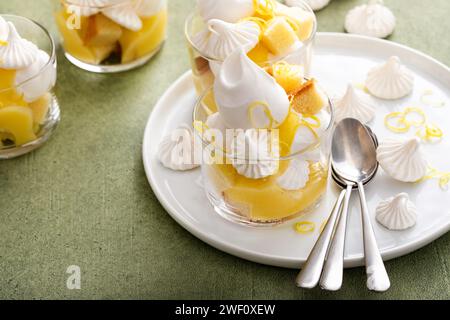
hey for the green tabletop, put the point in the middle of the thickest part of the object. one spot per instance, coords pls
(83, 199)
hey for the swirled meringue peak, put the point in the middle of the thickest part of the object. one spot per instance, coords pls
(397, 213)
(372, 19)
(353, 105)
(222, 38)
(255, 154)
(36, 79)
(296, 175)
(391, 80)
(314, 4)
(124, 14)
(403, 160)
(247, 96)
(226, 10)
(4, 32)
(18, 53)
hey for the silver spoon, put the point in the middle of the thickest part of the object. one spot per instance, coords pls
(354, 161)
(310, 274)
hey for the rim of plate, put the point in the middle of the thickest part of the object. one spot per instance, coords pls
(274, 260)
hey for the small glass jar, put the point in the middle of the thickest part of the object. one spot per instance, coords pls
(204, 66)
(106, 37)
(29, 110)
(294, 188)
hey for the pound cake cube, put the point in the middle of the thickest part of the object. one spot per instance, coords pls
(279, 37)
(309, 100)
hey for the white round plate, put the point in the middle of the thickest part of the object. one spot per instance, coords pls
(339, 59)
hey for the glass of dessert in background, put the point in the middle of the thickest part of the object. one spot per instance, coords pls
(107, 36)
(266, 141)
(269, 32)
(29, 111)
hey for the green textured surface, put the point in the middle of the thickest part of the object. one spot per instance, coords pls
(83, 198)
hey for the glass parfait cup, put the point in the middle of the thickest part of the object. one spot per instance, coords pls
(296, 185)
(111, 36)
(29, 110)
(205, 67)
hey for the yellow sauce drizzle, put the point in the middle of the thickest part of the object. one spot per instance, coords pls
(305, 227)
(403, 123)
(425, 99)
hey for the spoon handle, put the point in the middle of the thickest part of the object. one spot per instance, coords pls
(377, 277)
(333, 272)
(310, 274)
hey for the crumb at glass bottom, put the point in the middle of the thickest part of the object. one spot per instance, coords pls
(104, 42)
(262, 201)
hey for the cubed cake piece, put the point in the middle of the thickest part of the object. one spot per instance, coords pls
(309, 100)
(289, 76)
(102, 31)
(279, 37)
(303, 19)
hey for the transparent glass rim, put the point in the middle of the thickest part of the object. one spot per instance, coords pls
(52, 49)
(195, 117)
(195, 14)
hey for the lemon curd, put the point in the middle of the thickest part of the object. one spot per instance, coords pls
(19, 121)
(98, 40)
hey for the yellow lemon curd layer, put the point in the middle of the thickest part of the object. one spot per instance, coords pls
(264, 199)
(98, 37)
(19, 121)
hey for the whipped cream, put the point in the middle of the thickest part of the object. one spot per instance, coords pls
(18, 53)
(226, 10)
(403, 160)
(37, 79)
(397, 213)
(391, 80)
(372, 19)
(148, 8)
(247, 96)
(222, 38)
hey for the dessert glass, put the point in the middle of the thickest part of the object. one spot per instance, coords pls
(204, 66)
(26, 125)
(94, 42)
(261, 202)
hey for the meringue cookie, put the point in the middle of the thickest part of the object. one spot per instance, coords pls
(18, 53)
(125, 15)
(353, 105)
(296, 175)
(314, 4)
(225, 10)
(390, 80)
(4, 32)
(179, 150)
(372, 19)
(305, 137)
(222, 38)
(403, 160)
(86, 8)
(247, 96)
(148, 8)
(255, 154)
(397, 213)
(39, 81)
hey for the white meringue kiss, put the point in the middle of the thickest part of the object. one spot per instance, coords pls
(222, 38)
(125, 15)
(42, 77)
(296, 175)
(247, 96)
(391, 80)
(372, 19)
(86, 8)
(353, 105)
(226, 10)
(4, 32)
(19, 53)
(403, 160)
(397, 213)
(148, 8)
